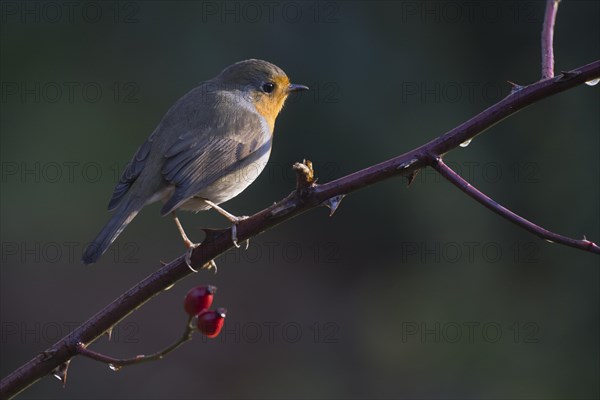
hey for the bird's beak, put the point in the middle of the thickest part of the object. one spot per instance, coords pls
(296, 88)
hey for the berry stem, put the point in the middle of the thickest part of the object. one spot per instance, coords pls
(118, 363)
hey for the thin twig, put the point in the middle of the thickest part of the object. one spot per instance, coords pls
(471, 191)
(296, 203)
(548, 38)
(117, 363)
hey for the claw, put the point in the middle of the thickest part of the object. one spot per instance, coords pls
(188, 256)
(210, 264)
(234, 235)
(234, 231)
(188, 259)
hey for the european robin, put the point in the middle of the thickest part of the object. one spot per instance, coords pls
(209, 147)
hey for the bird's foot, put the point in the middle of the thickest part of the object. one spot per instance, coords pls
(188, 254)
(188, 258)
(234, 239)
(233, 219)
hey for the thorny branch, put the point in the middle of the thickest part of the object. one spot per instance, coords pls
(455, 179)
(299, 201)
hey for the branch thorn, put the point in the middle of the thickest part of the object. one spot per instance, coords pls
(60, 372)
(410, 178)
(212, 234)
(515, 87)
(333, 203)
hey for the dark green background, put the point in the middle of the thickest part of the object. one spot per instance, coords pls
(385, 77)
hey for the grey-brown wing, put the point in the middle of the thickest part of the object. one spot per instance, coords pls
(131, 173)
(196, 159)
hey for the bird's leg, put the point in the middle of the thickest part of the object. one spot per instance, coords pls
(233, 219)
(190, 246)
(186, 241)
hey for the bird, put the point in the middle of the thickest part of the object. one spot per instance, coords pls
(209, 147)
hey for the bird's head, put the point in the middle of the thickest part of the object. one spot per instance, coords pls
(265, 84)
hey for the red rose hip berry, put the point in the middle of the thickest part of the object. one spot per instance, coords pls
(199, 299)
(210, 323)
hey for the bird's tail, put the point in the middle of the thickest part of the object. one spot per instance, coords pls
(113, 228)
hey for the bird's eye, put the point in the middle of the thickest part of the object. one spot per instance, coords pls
(268, 87)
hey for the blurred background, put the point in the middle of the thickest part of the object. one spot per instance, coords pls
(404, 293)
